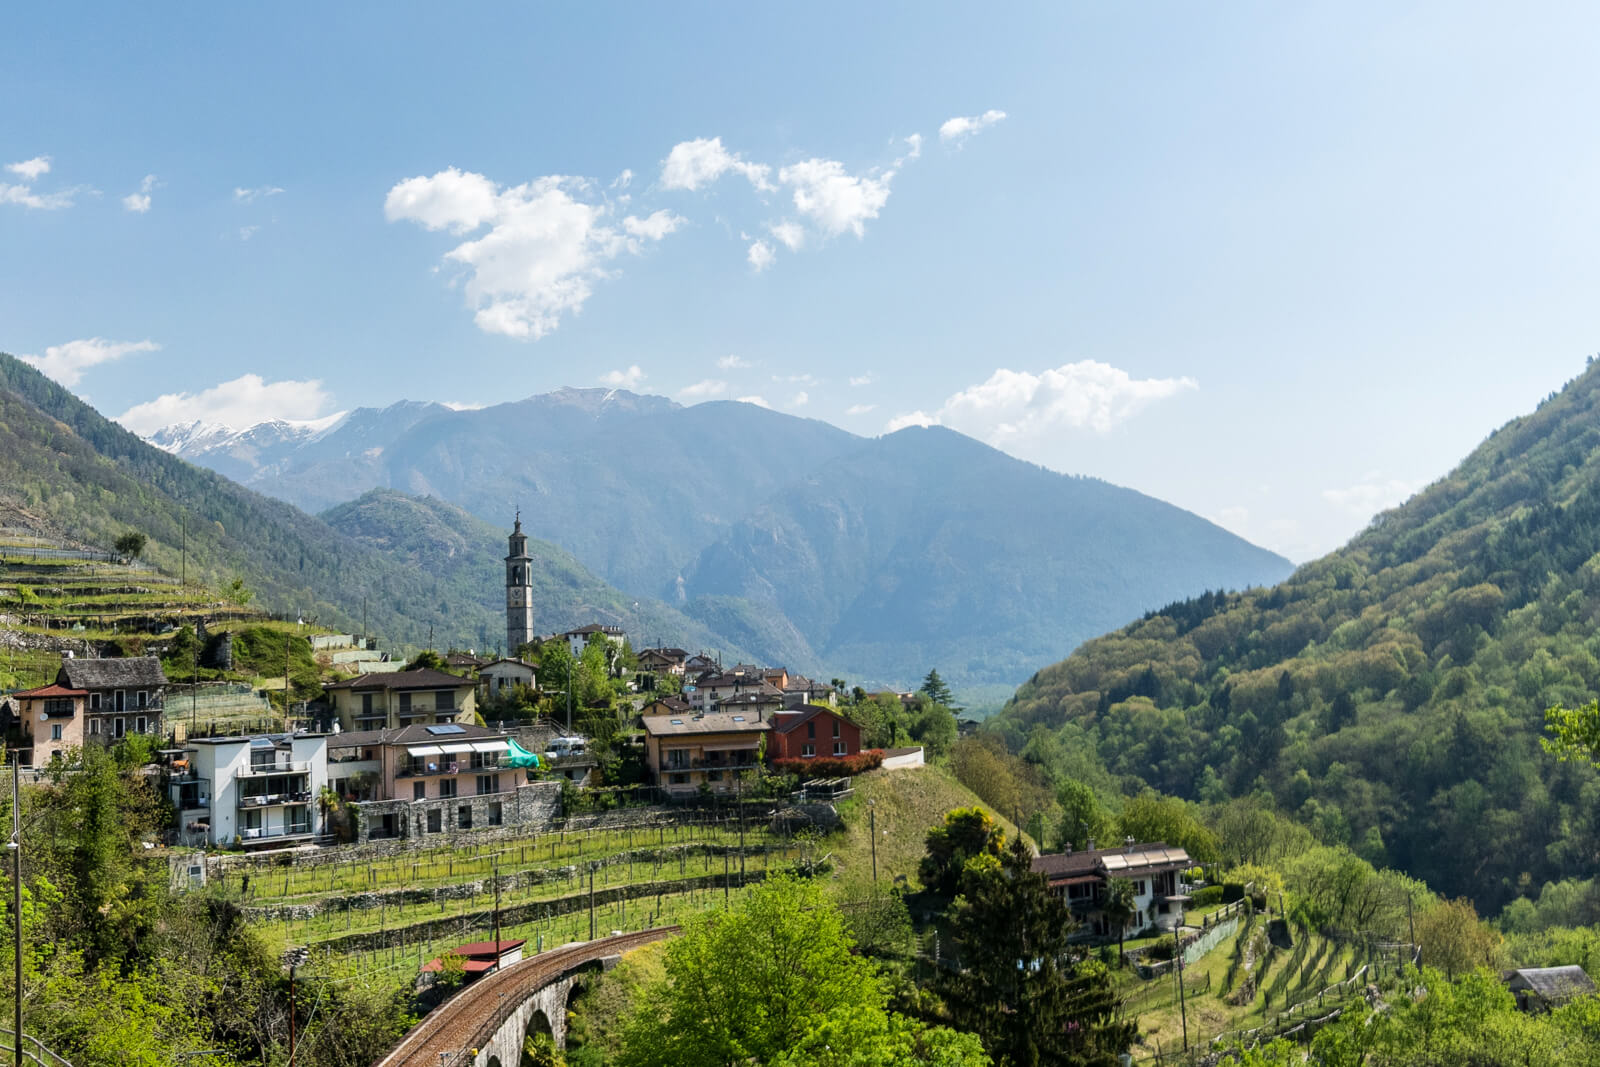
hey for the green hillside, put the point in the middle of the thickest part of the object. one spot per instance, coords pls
(1390, 694)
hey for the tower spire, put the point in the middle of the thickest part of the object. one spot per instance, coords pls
(519, 589)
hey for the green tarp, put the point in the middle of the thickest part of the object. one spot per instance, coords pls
(519, 756)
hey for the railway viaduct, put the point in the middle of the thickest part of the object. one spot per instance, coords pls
(485, 1023)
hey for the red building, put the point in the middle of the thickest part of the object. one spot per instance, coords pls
(812, 730)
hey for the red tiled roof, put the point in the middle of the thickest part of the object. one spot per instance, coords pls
(52, 690)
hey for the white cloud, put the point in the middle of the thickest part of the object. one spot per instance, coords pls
(139, 202)
(247, 232)
(451, 199)
(702, 161)
(914, 146)
(860, 409)
(914, 418)
(703, 390)
(66, 363)
(760, 255)
(243, 402)
(1015, 408)
(834, 199)
(758, 401)
(863, 379)
(623, 180)
(260, 192)
(732, 362)
(791, 234)
(800, 399)
(548, 243)
(802, 379)
(960, 128)
(623, 379)
(1374, 493)
(653, 227)
(29, 170)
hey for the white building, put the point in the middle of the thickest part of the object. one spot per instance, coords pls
(253, 791)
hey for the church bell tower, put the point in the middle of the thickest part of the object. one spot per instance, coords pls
(519, 591)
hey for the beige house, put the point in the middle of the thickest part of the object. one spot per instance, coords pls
(402, 698)
(686, 751)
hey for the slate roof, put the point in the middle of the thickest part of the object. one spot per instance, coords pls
(137, 672)
(1553, 983)
(415, 734)
(424, 678)
(1112, 862)
(664, 725)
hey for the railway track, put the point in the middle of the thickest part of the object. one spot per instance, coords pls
(446, 1036)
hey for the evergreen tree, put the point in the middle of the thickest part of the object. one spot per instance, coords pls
(1016, 988)
(935, 689)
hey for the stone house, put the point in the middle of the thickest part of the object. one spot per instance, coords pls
(397, 699)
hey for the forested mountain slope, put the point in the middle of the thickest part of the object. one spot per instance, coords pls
(928, 547)
(1391, 693)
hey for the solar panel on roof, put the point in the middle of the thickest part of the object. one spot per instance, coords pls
(447, 728)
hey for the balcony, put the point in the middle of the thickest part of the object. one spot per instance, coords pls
(258, 834)
(273, 800)
(300, 767)
(424, 771)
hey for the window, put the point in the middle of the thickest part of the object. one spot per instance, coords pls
(488, 783)
(120, 699)
(94, 726)
(119, 727)
(94, 701)
(435, 821)
(447, 787)
(678, 779)
(808, 751)
(714, 776)
(811, 729)
(419, 790)
(142, 699)
(260, 759)
(405, 703)
(366, 703)
(58, 706)
(442, 701)
(464, 817)
(678, 757)
(140, 725)
(55, 731)
(839, 748)
(835, 727)
(495, 818)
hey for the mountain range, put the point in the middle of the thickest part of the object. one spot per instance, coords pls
(874, 558)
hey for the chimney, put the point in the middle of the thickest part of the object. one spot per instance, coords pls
(1069, 848)
(1088, 846)
(1129, 842)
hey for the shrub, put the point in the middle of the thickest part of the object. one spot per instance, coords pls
(830, 766)
(1204, 898)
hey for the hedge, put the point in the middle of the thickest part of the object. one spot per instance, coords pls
(830, 766)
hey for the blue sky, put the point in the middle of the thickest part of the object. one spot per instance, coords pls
(1278, 264)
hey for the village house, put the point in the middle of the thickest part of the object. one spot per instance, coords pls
(581, 638)
(712, 689)
(502, 676)
(255, 792)
(763, 702)
(98, 700)
(800, 690)
(1543, 988)
(424, 779)
(663, 661)
(812, 730)
(1081, 879)
(401, 698)
(687, 751)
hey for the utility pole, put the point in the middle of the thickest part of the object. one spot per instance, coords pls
(183, 554)
(572, 667)
(872, 818)
(591, 900)
(16, 893)
(497, 913)
(291, 1013)
(1183, 1008)
(286, 640)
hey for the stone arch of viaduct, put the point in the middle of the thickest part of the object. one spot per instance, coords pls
(484, 1024)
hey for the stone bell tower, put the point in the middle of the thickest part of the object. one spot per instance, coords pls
(519, 591)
